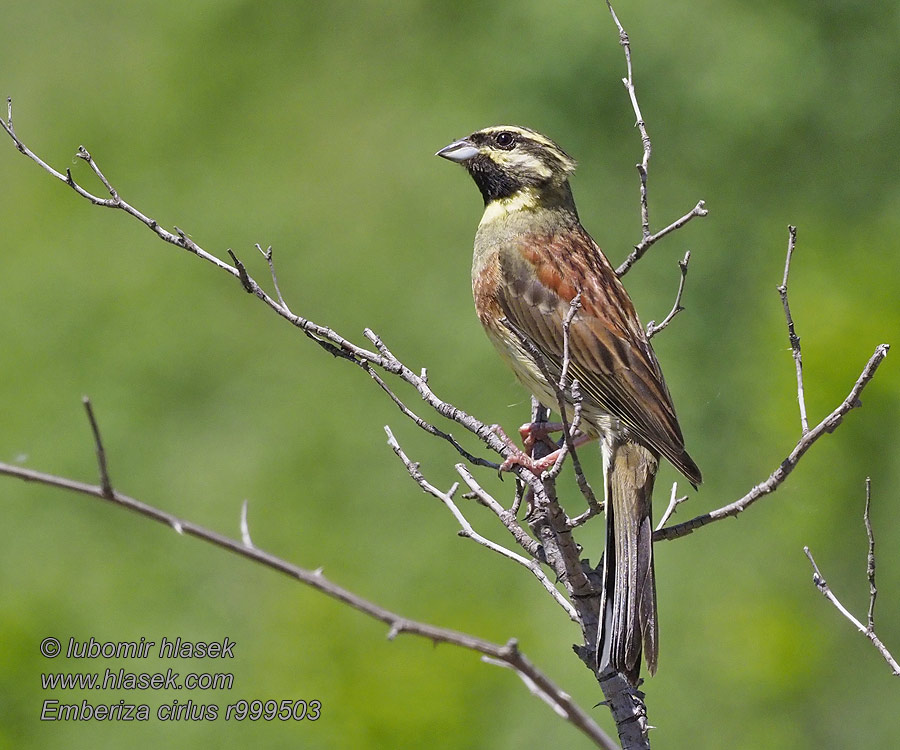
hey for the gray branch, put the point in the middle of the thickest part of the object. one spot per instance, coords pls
(822, 585)
(652, 328)
(827, 425)
(792, 334)
(507, 654)
(647, 238)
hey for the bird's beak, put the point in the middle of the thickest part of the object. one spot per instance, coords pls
(459, 151)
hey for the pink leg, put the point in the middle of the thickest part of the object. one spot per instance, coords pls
(534, 432)
(531, 433)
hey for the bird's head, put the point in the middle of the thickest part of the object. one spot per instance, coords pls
(510, 163)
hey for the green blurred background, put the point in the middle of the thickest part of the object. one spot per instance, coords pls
(311, 127)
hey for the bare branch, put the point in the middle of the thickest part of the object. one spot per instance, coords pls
(507, 517)
(647, 239)
(267, 254)
(98, 446)
(829, 424)
(574, 306)
(569, 434)
(792, 336)
(641, 248)
(674, 502)
(628, 82)
(594, 506)
(870, 558)
(568, 429)
(652, 328)
(331, 341)
(427, 426)
(822, 585)
(467, 531)
(508, 653)
(245, 526)
(559, 701)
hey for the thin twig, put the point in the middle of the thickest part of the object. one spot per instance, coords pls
(829, 424)
(533, 688)
(267, 254)
(674, 502)
(426, 425)
(574, 306)
(822, 585)
(652, 328)
(628, 82)
(647, 238)
(641, 248)
(102, 467)
(870, 557)
(507, 517)
(792, 335)
(467, 531)
(568, 447)
(245, 526)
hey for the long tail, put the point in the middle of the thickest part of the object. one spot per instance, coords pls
(628, 609)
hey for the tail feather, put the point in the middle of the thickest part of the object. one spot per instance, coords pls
(628, 623)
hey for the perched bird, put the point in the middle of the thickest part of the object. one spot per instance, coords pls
(532, 257)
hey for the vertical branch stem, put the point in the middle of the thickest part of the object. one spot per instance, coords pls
(102, 467)
(792, 334)
(644, 165)
(870, 558)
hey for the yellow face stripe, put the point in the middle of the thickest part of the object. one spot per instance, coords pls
(525, 200)
(519, 159)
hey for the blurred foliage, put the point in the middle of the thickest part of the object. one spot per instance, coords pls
(311, 127)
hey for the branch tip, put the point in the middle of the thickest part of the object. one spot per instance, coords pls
(103, 470)
(245, 526)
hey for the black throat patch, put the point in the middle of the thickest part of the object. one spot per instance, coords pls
(492, 181)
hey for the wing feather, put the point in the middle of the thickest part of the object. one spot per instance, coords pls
(609, 351)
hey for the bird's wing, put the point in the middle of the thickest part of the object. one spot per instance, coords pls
(610, 355)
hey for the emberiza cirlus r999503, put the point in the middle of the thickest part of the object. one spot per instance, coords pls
(532, 257)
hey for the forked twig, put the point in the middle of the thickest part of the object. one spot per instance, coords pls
(467, 531)
(825, 589)
(827, 425)
(652, 328)
(648, 239)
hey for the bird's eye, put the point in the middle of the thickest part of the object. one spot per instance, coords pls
(505, 140)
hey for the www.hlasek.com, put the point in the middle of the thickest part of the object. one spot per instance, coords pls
(122, 679)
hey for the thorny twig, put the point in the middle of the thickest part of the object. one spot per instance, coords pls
(508, 654)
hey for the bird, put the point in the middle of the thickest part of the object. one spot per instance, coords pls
(534, 265)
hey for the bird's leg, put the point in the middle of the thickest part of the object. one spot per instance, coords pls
(520, 458)
(534, 432)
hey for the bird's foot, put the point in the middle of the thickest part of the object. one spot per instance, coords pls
(539, 432)
(531, 433)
